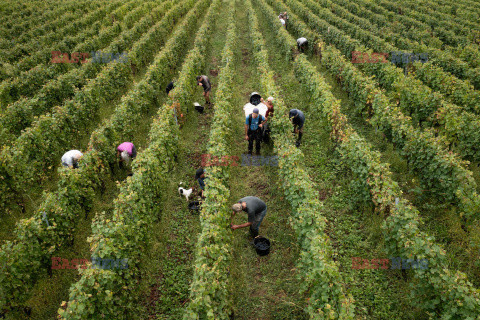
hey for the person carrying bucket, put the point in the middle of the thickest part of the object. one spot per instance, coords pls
(207, 87)
(298, 119)
(256, 210)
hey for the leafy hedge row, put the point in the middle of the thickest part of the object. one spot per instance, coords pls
(457, 91)
(402, 233)
(113, 294)
(435, 18)
(448, 26)
(115, 297)
(180, 97)
(407, 26)
(16, 11)
(318, 274)
(27, 83)
(79, 18)
(355, 28)
(70, 30)
(357, 25)
(460, 127)
(330, 33)
(403, 25)
(437, 290)
(447, 31)
(441, 171)
(26, 45)
(39, 147)
(21, 38)
(20, 30)
(76, 188)
(468, 10)
(209, 294)
(18, 17)
(19, 115)
(446, 60)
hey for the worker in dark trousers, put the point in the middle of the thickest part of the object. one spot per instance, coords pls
(170, 87)
(207, 87)
(253, 130)
(298, 119)
(256, 210)
(268, 115)
(302, 44)
(200, 176)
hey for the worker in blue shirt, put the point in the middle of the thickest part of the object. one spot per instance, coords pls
(253, 130)
(298, 119)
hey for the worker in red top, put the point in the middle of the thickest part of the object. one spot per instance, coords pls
(268, 114)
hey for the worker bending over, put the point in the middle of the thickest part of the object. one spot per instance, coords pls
(298, 119)
(256, 210)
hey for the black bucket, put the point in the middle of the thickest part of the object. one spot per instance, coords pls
(194, 205)
(262, 245)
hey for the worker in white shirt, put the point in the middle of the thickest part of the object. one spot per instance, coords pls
(255, 102)
(70, 158)
(283, 16)
(302, 44)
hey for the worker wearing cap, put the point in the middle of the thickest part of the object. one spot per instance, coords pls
(70, 158)
(253, 130)
(256, 210)
(200, 177)
(298, 119)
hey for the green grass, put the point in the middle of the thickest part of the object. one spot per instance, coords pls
(441, 219)
(168, 262)
(32, 198)
(262, 287)
(354, 229)
(49, 292)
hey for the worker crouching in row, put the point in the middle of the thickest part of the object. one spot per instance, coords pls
(126, 152)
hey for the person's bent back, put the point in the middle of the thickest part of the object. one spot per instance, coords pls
(256, 210)
(126, 152)
(70, 158)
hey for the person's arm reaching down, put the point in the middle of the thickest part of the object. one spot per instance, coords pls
(238, 226)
